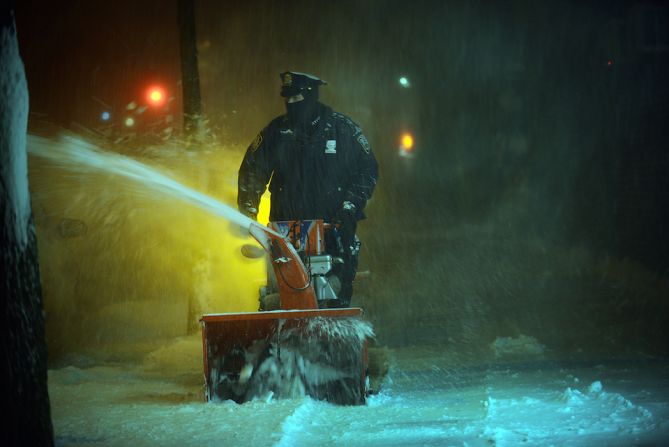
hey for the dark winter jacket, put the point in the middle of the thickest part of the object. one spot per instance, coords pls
(311, 173)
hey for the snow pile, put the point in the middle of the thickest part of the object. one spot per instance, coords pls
(591, 415)
(520, 346)
(612, 408)
(183, 357)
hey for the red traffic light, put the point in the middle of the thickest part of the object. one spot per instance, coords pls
(156, 96)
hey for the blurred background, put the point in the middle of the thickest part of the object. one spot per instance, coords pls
(523, 188)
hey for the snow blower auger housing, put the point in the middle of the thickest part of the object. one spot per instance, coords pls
(296, 348)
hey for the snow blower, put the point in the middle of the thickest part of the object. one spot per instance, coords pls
(292, 346)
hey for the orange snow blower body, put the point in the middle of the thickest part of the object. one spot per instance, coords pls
(299, 348)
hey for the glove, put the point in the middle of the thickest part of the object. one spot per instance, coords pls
(346, 216)
(249, 211)
(347, 220)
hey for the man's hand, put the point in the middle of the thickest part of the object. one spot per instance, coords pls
(347, 220)
(346, 216)
(250, 212)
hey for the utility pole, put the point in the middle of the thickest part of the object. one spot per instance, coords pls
(190, 76)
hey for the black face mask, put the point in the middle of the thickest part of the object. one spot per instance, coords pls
(302, 113)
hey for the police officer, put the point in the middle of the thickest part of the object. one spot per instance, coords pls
(318, 165)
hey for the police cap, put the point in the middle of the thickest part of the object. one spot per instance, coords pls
(294, 82)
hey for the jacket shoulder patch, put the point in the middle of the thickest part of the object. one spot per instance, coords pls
(256, 143)
(354, 129)
(364, 143)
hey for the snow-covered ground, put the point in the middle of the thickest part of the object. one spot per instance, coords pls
(429, 398)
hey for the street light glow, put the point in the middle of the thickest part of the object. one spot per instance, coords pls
(156, 95)
(407, 141)
(406, 145)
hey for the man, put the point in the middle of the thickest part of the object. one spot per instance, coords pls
(318, 164)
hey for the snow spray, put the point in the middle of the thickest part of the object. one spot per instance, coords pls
(76, 154)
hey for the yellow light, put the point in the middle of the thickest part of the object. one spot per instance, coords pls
(156, 96)
(407, 141)
(157, 280)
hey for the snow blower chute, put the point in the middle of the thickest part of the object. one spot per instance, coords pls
(292, 346)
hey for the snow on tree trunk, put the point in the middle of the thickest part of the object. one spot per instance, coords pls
(27, 415)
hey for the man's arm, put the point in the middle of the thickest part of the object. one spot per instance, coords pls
(254, 174)
(364, 176)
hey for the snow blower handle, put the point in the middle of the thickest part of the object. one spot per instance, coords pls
(295, 288)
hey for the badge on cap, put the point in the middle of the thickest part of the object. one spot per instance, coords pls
(331, 147)
(287, 79)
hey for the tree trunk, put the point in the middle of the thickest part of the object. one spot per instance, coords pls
(26, 418)
(190, 77)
